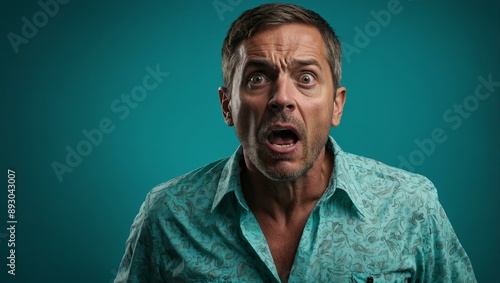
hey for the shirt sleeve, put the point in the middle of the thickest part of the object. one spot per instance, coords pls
(443, 258)
(136, 264)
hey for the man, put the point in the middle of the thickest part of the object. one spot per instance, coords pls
(289, 205)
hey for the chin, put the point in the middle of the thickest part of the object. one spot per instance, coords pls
(284, 172)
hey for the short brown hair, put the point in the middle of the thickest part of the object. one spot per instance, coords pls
(275, 14)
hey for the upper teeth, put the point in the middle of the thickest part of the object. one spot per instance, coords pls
(284, 145)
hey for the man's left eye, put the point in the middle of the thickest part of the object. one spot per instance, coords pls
(307, 79)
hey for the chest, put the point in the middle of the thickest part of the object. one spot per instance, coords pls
(329, 249)
(283, 242)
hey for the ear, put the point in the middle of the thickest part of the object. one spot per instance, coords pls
(225, 105)
(338, 106)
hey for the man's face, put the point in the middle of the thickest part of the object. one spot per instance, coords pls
(282, 100)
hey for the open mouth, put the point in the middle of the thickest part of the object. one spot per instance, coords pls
(282, 138)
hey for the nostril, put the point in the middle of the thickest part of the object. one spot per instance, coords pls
(278, 107)
(274, 106)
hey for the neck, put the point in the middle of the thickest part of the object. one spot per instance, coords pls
(281, 200)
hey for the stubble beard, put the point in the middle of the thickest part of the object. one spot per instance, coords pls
(268, 163)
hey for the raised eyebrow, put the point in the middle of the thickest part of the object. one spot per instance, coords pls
(260, 64)
(305, 63)
(265, 64)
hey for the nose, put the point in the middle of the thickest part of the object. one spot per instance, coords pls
(282, 96)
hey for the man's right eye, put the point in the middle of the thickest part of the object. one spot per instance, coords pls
(257, 79)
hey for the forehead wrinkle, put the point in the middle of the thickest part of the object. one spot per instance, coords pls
(282, 57)
(284, 48)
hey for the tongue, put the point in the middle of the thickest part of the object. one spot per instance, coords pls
(282, 137)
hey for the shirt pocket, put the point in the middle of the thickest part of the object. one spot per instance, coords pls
(389, 277)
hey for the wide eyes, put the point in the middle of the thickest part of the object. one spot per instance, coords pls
(307, 79)
(303, 79)
(257, 79)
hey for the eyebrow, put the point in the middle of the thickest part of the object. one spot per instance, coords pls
(259, 63)
(262, 63)
(305, 63)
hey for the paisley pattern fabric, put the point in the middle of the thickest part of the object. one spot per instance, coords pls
(374, 223)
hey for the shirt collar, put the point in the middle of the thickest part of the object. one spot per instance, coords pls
(342, 178)
(230, 180)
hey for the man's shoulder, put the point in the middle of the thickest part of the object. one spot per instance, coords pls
(385, 191)
(379, 175)
(198, 186)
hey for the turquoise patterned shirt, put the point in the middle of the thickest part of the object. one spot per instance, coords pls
(374, 223)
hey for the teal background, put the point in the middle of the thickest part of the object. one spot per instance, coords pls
(65, 78)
